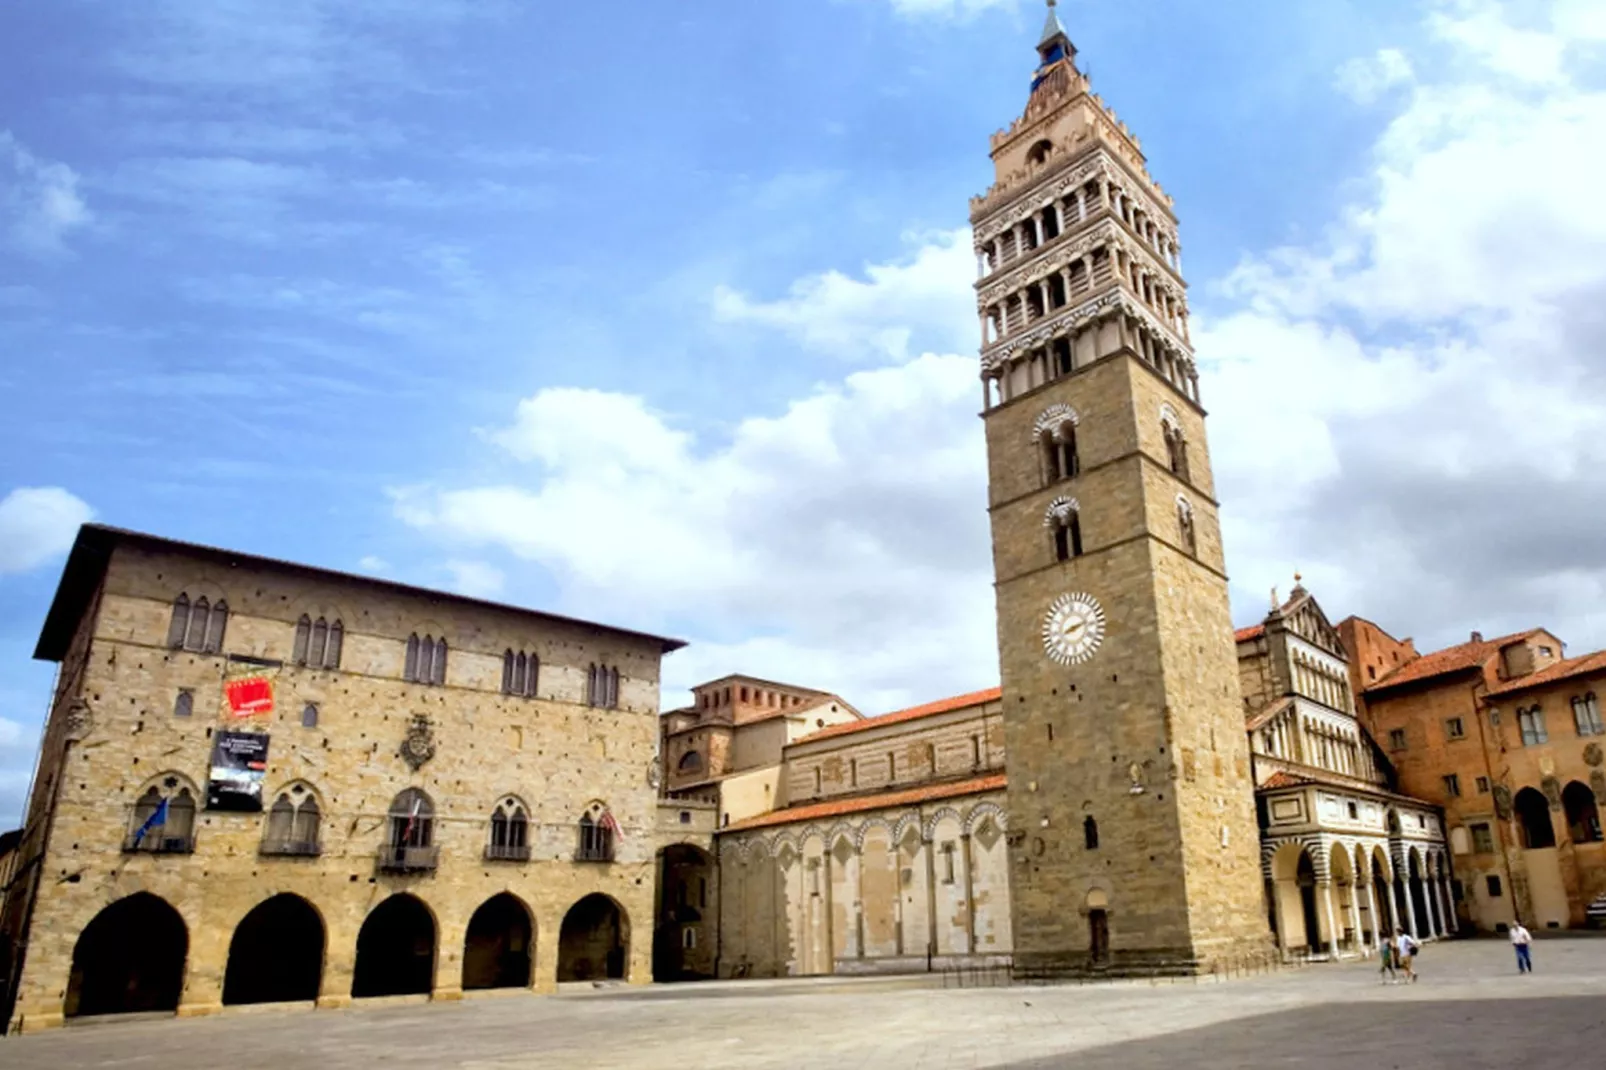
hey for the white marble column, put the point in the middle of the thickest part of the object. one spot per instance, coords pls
(1372, 909)
(1332, 918)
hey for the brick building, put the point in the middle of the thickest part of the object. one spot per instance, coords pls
(264, 782)
(1506, 735)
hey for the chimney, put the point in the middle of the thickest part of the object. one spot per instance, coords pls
(1477, 637)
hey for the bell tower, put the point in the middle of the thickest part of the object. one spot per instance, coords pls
(1134, 844)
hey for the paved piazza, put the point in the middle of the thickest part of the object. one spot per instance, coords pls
(1469, 1010)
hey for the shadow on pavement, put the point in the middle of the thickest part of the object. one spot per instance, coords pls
(1413, 1034)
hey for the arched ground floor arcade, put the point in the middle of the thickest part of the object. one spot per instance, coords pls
(160, 941)
(1341, 897)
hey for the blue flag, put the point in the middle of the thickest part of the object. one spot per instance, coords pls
(158, 818)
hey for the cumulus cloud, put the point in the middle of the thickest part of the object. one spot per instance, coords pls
(1407, 408)
(39, 199)
(37, 524)
(893, 311)
(1365, 79)
(841, 543)
(475, 578)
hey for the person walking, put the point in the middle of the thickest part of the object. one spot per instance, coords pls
(1386, 973)
(1522, 940)
(1405, 948)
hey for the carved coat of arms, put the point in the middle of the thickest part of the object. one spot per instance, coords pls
(419, 746)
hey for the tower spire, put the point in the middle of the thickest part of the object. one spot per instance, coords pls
(1056, 43)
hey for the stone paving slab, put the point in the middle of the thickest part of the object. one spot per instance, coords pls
(1470, 1001)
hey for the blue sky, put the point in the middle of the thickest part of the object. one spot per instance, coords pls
(660, 313)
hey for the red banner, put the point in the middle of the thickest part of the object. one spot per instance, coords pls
(249, 697)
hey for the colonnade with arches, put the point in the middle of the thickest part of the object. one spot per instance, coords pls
(1343, 896)
(147, 951)
(890, 891)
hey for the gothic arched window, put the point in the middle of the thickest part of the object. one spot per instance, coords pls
(1064, 521)
(1176, 449)
(520, 673)
(596, 828)
(1055, 431)
(1186, 533)
(293, 824)
(1586, 715)
(602, 687)
(197, 626)
(163, 818)
(412, 819)
(1531, 722)
(318, 643)
(510, 832)
(426, 660)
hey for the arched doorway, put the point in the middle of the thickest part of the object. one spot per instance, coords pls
(1305, 877)
(1583, 816)
(395, 950)
(682, 944)
(1533, 813)
(1098, 927)
(130, 958)
(498, 948)
(276, 955)
(594, 942)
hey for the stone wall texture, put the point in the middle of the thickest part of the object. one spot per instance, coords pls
(557, 756)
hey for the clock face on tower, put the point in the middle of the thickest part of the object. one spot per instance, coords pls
(1073, 629)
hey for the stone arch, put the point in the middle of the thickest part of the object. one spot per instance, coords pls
(947, 812)
(594, 940)
(981, 812)
(906, 820)
(499, 945)
(1055, 420)
(1060, 511)
(276, 954)
(1533, 817)
(129, 958)
(842, 830)
(396, 949)
(1582, 812)
(868, 824)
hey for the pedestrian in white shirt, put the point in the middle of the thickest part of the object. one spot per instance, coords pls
(1521, 939)
(1405, 949)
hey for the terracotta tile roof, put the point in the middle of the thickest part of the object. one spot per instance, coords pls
(861, 803)
(1561, 670)
(1258, 719)
(1282, 779)
(1456, 658)
(914, 713)
(1254, 631)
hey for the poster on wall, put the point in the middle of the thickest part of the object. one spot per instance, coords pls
(239, 762)
(249, 696)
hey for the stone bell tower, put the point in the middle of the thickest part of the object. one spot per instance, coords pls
(1134, 846)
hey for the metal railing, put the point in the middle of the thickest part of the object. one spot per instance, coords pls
(155, 843)
(291, 848)
(394, 859)
(507, 852)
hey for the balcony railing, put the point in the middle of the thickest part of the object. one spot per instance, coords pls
(594, 853)
(408, 859)
(291, 848)
(507, 852)
(156, 844)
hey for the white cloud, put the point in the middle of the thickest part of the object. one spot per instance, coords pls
(37, 524)
(1364, 80)
(39, 199)
(475, 578)
(854, 521)
(892, 312)
(1407, 408)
